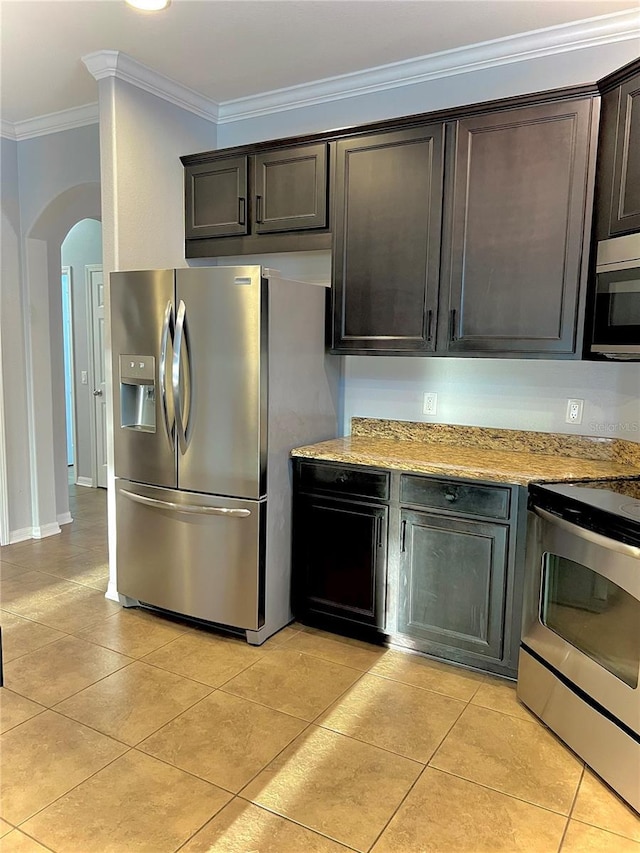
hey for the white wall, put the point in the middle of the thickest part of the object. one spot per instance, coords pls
(51, 164)
(12, 356)
(82, 246)
(142, 138)
(59, 185)
(48, 184)
(507, 393)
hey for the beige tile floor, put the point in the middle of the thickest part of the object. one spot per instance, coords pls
(125, 731)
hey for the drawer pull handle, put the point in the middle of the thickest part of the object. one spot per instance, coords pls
(450, 496)
(341, 478)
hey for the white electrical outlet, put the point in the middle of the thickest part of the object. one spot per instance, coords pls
(429, 403)
(574, 411)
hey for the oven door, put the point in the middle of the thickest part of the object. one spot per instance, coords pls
(582, 611)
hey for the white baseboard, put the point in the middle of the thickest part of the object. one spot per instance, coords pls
(20, 535)
(84, 481)
(65, 518)
(113, 595)
(46, 530)
(112, 592)
(24, 533)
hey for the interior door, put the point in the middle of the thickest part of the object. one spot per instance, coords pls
(98, 357)
(219, 379)
(69, 381)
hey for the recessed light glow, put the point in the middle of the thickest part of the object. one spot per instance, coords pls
(148, 5)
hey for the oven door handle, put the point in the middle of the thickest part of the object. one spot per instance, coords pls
(589, 535)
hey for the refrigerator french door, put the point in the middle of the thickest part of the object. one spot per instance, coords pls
(190, 439)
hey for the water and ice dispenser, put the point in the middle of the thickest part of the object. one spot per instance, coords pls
(138, 392)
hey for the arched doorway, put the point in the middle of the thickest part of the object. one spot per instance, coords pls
(81, 259)
(44, 353)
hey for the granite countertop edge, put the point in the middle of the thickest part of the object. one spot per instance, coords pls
(515, 467)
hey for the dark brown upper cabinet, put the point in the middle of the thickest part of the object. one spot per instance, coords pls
(256, 202)
(216, 198)
(386, 251)
(290, 189)
(462, 232)
(617, 208)
(514, 258)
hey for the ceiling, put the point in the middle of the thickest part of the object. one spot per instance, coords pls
(229, 49)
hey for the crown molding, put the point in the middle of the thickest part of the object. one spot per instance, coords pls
(605, 29)
(51, 123)
(564, 38)
(7, 130)
(114, 63)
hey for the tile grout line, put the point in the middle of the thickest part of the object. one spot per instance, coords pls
(269, 811)
(113, 737)
(398, 807)
(615, 832)
(308, 724)
(573, 803)
(299, 735)
(420, 775)
(75, 693)
(66, 793)
(498, 791)
(428, 689)
(45, 846)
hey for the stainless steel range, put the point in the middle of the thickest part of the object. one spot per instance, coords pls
(579, 664)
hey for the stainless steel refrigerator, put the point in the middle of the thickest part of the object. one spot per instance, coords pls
(217, 373)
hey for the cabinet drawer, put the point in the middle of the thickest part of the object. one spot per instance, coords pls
(456, 496)
(342, 480)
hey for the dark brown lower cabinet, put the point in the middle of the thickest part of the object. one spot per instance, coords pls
(453, 584)
(426, 563)
(340, 559)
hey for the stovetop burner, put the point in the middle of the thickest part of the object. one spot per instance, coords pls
(609, 507)
(631, 510)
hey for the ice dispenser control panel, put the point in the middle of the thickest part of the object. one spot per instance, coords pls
(138, 392)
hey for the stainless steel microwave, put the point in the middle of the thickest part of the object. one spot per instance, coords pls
(616, 322)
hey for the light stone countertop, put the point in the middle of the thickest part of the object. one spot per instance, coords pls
(502, 456)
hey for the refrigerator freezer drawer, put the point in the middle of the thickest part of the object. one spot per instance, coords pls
(198, 555)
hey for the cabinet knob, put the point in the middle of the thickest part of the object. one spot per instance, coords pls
(341, 478)
(450, 496)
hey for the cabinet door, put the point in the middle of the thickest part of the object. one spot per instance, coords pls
(339, 559)
(625, 196)
(452, 584)
(515, 249)
(387, 241)
(291, 189)
(216, 198)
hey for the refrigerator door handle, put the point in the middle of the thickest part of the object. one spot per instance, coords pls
(182, 404)
(168, 328)
(194, 509)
